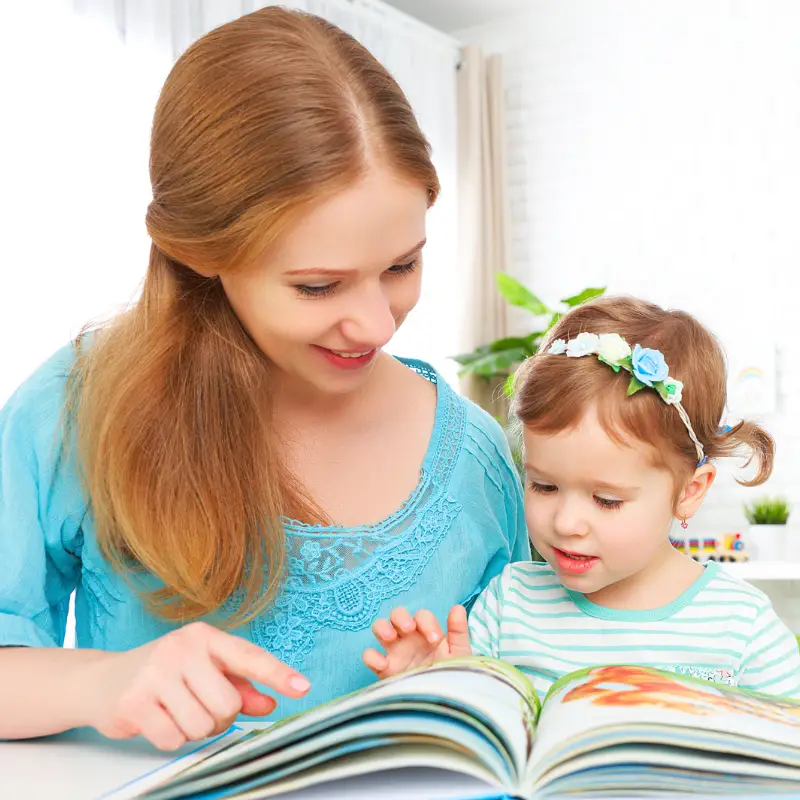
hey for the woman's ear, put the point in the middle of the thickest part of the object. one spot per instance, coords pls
(695, 491)
(205, 273)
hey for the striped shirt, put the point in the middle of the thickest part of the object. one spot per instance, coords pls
(720, 629)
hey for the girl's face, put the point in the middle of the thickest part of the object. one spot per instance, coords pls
(599, 512)
(337, 285)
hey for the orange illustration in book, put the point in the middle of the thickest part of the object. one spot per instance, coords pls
(624, 686)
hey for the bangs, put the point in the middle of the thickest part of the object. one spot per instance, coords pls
(560, 391)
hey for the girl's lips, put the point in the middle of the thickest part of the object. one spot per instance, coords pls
(574, 563)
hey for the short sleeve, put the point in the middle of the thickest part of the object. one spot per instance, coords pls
(771, 662)
(40, 513)
(484, 619)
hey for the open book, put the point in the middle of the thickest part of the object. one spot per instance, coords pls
(613, 730)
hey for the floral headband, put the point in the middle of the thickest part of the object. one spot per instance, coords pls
(647, 368)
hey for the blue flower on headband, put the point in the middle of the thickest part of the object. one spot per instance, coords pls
(648, 365)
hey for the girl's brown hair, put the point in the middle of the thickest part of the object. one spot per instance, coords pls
(554, 392)
(258, 120)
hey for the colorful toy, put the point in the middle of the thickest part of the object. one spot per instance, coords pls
(728, 548)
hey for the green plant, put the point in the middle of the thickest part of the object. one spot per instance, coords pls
(501, 357)
(767, 511)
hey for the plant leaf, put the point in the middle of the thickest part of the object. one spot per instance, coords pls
(493, 364)
(507, 343)
(468, 358)
(508, 386)
(768, 511)
(518, 295)
(586, 294)
(532, 342)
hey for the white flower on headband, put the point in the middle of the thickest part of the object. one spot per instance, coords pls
(613, 349)
(672, 391)
(558, 348)
(584, 344)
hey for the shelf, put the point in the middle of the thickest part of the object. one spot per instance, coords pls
(764, 570)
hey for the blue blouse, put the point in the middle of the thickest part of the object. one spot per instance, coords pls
(462, 524)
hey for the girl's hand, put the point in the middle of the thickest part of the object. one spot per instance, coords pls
(186, 685)
(417, 641)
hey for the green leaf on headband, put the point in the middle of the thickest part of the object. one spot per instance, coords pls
(634, 385)
(508, 386)
(615, 367)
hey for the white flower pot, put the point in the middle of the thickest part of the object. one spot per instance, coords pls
(792, 552)
(767, 542)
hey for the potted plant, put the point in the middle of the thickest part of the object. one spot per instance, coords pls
(495, 362)
(766, 539)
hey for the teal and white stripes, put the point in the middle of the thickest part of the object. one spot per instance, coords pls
(721, 628)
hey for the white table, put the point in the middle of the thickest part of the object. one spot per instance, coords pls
(82, 765)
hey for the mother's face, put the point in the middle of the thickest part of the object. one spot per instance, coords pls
(338, 284)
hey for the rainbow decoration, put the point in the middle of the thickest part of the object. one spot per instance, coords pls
(750, 373)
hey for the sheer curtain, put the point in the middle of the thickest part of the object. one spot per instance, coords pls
(81, 79)
(483, 208)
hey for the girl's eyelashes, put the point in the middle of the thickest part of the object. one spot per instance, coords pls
(404, 269)
(327, 289)
(604, 502)
(601, 502)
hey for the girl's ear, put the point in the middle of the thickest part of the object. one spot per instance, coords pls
(695, 491)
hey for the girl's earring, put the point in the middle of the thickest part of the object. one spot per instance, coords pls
(684, 523)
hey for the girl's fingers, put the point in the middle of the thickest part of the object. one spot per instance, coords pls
(458, 632)
(429, 626)
(374, 660)
(384, 632)
(402, 620)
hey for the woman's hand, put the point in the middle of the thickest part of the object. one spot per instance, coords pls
(187, 685)
(417, 641)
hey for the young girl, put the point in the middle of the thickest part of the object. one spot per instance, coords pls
(621, 413)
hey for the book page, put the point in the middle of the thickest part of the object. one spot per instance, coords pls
(667, 769)
(374, 774)
(388, 731)
(478, 704)
(604, 707)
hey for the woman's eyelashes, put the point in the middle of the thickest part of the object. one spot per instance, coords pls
(327, 289)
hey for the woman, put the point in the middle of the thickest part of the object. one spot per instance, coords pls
(233, 474)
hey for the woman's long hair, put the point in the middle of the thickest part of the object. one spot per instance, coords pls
(170, 402)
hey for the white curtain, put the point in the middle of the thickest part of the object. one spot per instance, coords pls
(485, 245)
(81, 78)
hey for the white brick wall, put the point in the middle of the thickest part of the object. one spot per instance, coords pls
(653, 148)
